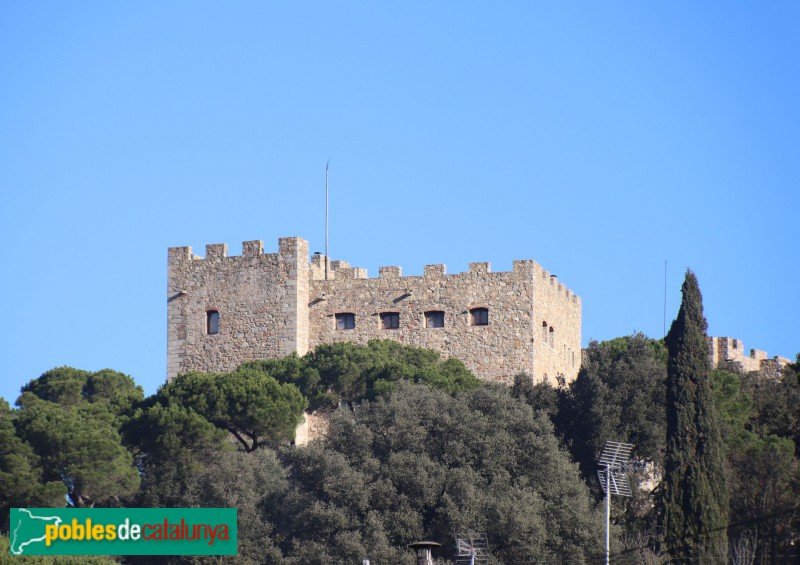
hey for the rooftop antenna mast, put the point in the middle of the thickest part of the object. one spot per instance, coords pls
(613, 479)
(326, 218)
(665, 297)
(472, 548)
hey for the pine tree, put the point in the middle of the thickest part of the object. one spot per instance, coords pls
(695, 499)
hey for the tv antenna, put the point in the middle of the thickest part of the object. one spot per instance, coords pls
(613, 479)
(472, 548)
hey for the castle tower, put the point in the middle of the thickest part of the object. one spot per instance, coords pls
(223, 311)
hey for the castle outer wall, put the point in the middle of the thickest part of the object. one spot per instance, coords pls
(724, 350)
(270, 305)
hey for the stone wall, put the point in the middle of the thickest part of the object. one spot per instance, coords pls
(270, 305)
(315, 425)
(723, 350)
(533, 321)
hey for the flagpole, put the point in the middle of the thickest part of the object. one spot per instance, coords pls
(326, 219)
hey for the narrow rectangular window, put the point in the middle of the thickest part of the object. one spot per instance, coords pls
(434, 319)
(390, 320)
(345, 321)
(479, 317)
(212, 322)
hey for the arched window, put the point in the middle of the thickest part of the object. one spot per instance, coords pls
(551, 338)
(212, 322)
(345, 321)
(434, 319)
(390, 320)
(479, 317)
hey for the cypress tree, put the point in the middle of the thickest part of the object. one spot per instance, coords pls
(694, 504)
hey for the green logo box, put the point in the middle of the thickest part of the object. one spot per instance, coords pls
(123, 531)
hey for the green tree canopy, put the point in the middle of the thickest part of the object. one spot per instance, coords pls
(21, 482)
(542, 396)
(253, 483)
(619, 395)
(762, 471)
(170, 443)
(79, 445)
(423, 464)
(733, 407)
(346, 372)
(764, 482)
(70, 418)
(776, 404)
(176, 431)
(69, 387)
(173, 432)
(250, 404)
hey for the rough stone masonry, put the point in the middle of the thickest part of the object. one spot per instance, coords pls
(223, 311)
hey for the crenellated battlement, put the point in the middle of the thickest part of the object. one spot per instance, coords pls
(266, 305)
(338, 270)
(723, 350)
(287, 246)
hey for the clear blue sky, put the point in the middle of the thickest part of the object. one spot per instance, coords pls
(599, 139)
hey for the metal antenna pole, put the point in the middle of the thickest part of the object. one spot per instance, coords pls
(326, 218)
(608, 514)
(613, 479)
(665, 297)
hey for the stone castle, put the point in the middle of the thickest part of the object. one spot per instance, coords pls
(223, 311)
